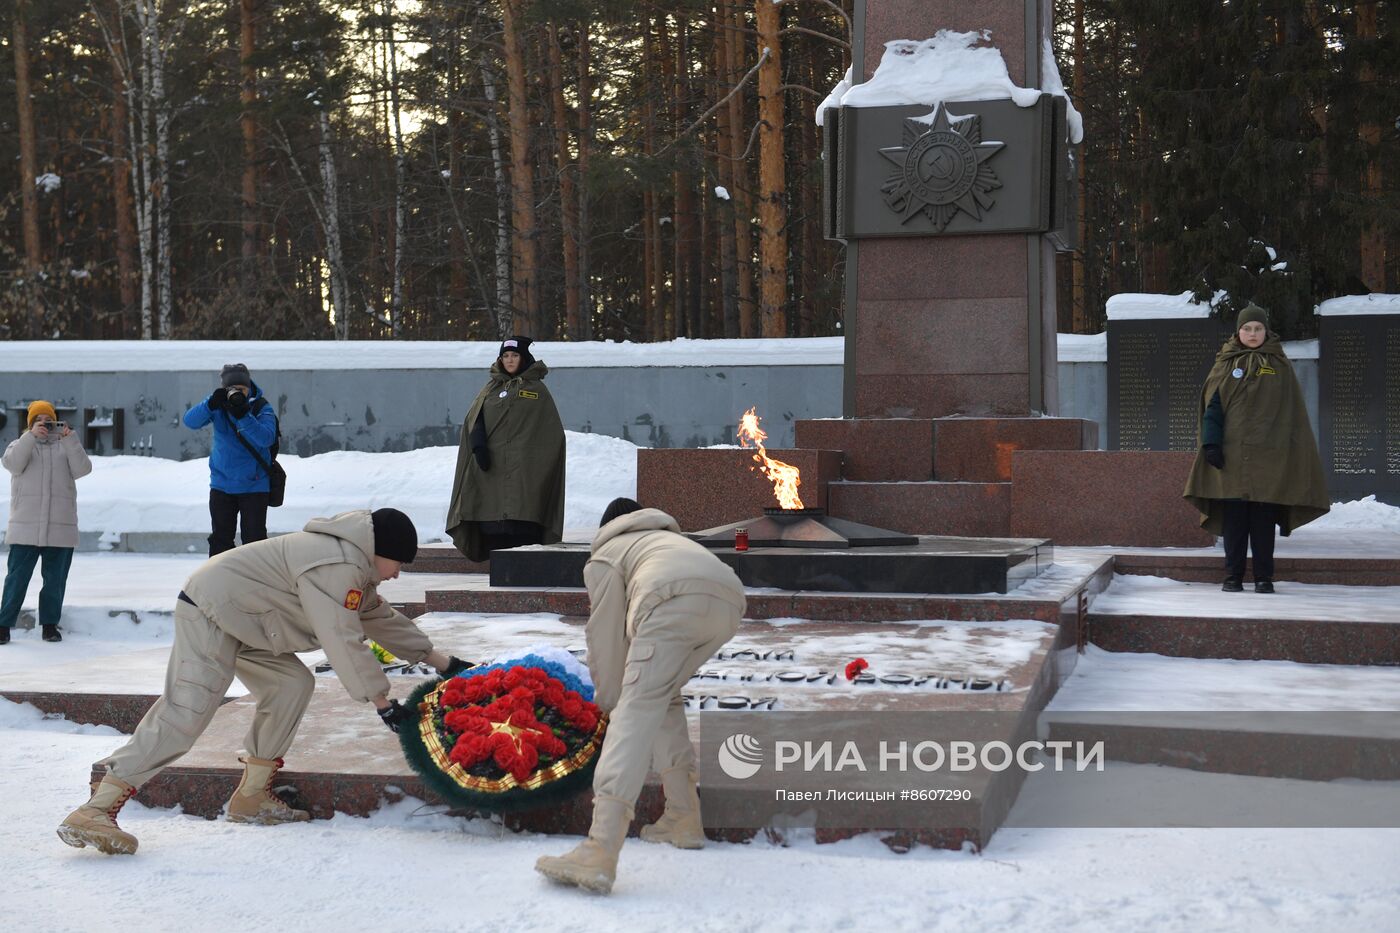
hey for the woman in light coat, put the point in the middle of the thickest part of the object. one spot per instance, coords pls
(43, 465)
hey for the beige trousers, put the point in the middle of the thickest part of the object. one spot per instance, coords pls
(647, 728)
(203, 662)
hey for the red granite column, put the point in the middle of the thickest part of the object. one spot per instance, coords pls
(959, 324)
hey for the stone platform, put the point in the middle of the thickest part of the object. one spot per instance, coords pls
(1305, 746)
(936, 565)
(345, 761)
(1058, 595)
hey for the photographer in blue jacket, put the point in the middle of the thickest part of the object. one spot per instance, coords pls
(238, 483)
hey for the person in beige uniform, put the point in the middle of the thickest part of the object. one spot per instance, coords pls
(246, 612)
(660, 606)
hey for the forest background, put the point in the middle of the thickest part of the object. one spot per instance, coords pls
(615, 169)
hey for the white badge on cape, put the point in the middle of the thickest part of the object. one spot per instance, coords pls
(503, 391)
(1238, 373)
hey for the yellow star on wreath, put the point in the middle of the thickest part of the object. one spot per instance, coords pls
(940, 169)
(514, 732)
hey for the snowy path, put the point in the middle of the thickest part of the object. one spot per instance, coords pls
(149, 582)
(400, 870)
(1107, 680)
(1143, 595)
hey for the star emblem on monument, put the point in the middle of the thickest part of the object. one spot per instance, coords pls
(941, 169)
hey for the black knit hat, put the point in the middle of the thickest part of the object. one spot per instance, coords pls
(618, 508)
(521, 345)
(394, 535)
(1251, 312)
(235, 374)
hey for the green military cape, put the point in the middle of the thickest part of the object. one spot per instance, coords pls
(526, 479)
(1270, 453)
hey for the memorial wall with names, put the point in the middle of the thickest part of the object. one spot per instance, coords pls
(1156, 368)
(1359, 405)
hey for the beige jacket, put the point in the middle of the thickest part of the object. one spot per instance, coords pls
(639, 561)
(311, 589)
(43, 492)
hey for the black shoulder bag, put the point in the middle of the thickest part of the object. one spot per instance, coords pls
(276, 476)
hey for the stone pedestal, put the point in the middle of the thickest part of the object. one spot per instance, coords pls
(705, 488)
(951, 325)
(1105, 497)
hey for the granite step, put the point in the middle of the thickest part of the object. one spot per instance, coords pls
(1298, 745)
(1208, 567)
(1059, 594)
(1310, 623)
(444, 558)
(1310, 641)
(927, 508)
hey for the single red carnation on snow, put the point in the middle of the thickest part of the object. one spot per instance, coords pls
(855, 667)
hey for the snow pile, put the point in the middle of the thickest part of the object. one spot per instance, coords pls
(1051, 83)
(1134, 306)
(1083, 348)
(1300, 349)
(835, 98)
(952, 66)
(106, 356)
(1360, 304)
(1361, 514)
(48, 183)
(31, 718)
(138, 494)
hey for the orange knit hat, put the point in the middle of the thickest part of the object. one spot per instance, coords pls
(40, 407)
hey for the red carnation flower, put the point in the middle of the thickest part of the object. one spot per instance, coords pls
(855, 667)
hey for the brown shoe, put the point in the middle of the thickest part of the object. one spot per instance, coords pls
(593, 864)
(680, 822)
(254, 801)
(95, 822)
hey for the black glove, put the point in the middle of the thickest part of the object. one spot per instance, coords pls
(456, 665)
(396, 715)
(237, 404)
(216, 399)
(483, 458)
(1214, 455)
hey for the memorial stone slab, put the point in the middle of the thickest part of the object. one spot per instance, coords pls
(1359, 398)
(1160, 349)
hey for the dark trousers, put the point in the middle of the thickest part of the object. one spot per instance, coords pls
(1250, 525)
(228, 512)
(23, 557)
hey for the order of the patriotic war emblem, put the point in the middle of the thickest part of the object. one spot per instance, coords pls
(941, 169)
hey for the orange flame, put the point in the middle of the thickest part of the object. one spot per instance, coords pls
(786, 477)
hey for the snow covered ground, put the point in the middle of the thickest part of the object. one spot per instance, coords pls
(139, 494)
(1143, 595)
(1114, 681)
(406, 868)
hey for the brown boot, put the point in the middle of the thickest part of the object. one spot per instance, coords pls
(95, 822)
(254, 801)
(680, 821)
(593, 865)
